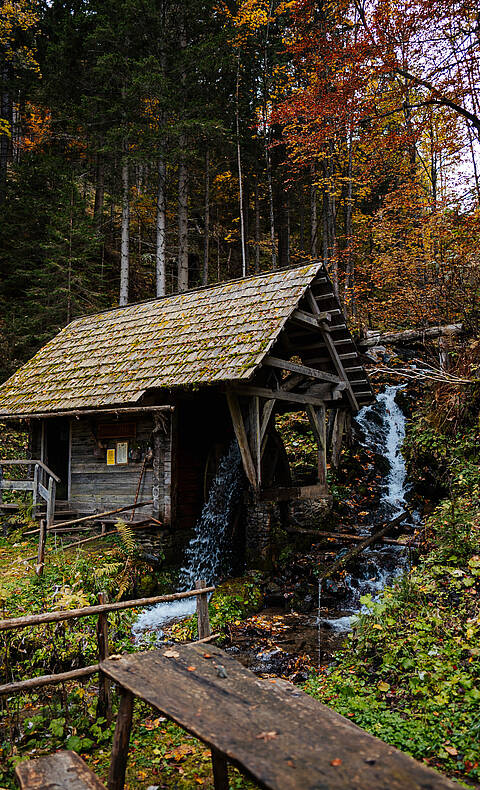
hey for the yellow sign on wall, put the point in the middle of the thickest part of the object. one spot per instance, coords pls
(110, 457)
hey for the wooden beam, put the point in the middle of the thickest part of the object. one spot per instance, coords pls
(294, 492)
(241, 434)
(333, 352)
(268, 394)
(303, 370)
(309, 319)
(85, 412)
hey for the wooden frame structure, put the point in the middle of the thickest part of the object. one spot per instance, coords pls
(194, 370)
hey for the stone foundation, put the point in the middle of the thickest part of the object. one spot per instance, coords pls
(267, 522)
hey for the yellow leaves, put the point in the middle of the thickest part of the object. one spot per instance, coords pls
(377, 626)
(5, 128)
(17, 17)
(382, 686)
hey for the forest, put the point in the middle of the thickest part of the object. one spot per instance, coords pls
(154, 151)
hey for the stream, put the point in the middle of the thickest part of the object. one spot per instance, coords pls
(289, 643)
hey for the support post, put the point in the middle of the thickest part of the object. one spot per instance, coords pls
(255, 436)
(220, 770)
(157, 452)
(104, 704)
(241, 434)
(121, 740)
(42, 538)
(337, 437)
(203, 620)
(316, 416)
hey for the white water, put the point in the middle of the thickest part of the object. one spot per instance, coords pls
(209, 554)
(383, 425)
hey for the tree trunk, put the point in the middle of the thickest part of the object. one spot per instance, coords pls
(160, 231)
(125, 243)
(183, 187)
(5, 115)
(313, 215)
(257, 227)
(206, 237)
(239, 166)
(182, 224)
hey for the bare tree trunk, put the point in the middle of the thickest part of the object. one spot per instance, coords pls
(182, 224)
(5, 115)
(160, 231)
(257, 227)
(206, 237)
(183, 189)
(239, 166)
(349, 295)
(125, 243)
(313, 215)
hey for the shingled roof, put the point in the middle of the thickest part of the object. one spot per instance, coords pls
(213, 334)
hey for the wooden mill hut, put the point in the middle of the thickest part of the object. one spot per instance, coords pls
(143, 400)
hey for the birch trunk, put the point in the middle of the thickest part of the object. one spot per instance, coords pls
(182, 223)
(313, 215)
(206, 237)
(160, 231)
(257, 227)
(125, 243)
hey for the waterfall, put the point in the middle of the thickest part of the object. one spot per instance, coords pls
(383, 426)
(209, 553)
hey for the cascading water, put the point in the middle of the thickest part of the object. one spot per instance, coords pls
(209, 554)
(383, 427)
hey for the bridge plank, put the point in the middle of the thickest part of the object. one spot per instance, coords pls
(63, 771)
(273, 731)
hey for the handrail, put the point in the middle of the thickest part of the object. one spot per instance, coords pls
(87, 611)
(31, 462)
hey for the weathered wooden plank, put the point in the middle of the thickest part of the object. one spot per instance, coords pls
(63, 770)
(241, 434)
(16, 485)
(284, 739)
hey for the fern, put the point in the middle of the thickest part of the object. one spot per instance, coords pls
(127, 538)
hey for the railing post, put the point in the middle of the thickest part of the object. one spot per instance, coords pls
(42, 538)
(35, 491)
(104, 705)
(51, 502)
(203, 619)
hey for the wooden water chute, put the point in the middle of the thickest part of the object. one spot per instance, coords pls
(139, 403)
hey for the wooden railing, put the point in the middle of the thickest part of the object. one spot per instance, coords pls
(43, 484)
(101, 610)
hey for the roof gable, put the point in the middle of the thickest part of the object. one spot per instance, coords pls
(219, 333)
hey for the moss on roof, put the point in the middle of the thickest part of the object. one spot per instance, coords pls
(214, 334)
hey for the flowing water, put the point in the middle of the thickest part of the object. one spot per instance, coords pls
(209, 554)
(383, 428)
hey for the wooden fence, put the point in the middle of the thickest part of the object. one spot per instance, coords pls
(102, 610)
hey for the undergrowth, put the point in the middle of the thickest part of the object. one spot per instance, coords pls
(409, 672)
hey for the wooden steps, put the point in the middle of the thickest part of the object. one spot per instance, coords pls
(63, 770)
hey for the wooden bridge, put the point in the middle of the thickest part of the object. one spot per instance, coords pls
(270, 729)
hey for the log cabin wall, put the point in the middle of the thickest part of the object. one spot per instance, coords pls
(97, 486)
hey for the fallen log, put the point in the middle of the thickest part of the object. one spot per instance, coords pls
(335, 566)
(409, 335)
(342, 536)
